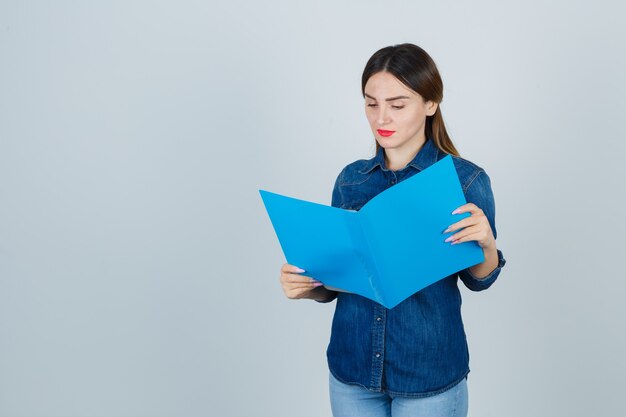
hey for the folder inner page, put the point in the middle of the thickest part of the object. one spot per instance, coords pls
(322, 240)
(407, 221)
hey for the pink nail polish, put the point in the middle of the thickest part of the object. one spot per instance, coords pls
(299, 270)
(449, 239)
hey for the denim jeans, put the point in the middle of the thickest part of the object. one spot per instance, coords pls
(355, 401)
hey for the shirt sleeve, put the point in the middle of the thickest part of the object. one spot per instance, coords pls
(479, 192)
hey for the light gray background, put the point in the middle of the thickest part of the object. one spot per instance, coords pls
(138, 269)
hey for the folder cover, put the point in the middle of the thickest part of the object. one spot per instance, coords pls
(389, 249)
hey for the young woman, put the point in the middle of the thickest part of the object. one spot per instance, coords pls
(411, 360)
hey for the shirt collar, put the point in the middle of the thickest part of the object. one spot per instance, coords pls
(426, 156)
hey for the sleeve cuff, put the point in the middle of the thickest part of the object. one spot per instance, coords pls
(331, 298)
(478, 284)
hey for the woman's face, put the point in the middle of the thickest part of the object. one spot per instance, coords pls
(396, 114)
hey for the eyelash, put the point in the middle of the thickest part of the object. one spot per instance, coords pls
(393, 107)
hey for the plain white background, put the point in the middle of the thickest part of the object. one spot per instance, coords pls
(139, 271)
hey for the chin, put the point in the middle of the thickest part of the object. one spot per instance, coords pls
(386, 143)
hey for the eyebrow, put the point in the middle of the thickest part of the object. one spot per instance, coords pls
(388, 99)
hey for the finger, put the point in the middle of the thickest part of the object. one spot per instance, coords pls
(466, 222)
(302, 287)
(467, 208)
(312, 284)
(296, 295)
(297, 292)
(291, 269)
(471, 237)
(291, 273)
(478, 235)
(297, 279)
(465, 232)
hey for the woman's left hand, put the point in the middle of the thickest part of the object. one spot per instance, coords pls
(475, 227)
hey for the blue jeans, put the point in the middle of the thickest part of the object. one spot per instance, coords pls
(354, 400)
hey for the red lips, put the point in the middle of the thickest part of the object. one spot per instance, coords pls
(385, 133)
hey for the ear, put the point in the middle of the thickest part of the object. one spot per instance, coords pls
(431, 107)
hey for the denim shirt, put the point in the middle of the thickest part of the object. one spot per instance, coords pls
(418, 348)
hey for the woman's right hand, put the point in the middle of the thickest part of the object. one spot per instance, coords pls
(295, 285)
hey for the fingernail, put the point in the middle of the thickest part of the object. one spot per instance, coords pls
(299, 270)
(317, 284)
(449, 239)
(454, 243)
(456, 211)
(446, 231)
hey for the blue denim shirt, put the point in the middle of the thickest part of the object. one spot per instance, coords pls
(418, 348)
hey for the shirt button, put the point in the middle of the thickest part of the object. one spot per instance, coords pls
(378, 355)
(378, 319)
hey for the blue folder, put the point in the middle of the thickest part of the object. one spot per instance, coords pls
(388, 250)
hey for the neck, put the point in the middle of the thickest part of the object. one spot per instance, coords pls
(398, 158)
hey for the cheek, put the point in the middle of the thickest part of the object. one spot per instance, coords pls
(414, 119)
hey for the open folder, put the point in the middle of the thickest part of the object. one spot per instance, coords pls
(389, 249)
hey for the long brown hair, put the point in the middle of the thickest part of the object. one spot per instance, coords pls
(412, 66)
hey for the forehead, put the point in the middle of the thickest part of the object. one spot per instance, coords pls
(384, 84)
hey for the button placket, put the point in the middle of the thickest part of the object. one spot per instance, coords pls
(378, 346)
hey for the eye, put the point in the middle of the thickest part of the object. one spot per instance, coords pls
(372, 105)
(397, 107)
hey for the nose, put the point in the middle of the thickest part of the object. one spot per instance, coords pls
(382, 116)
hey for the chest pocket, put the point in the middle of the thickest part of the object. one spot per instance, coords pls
(357, 191)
